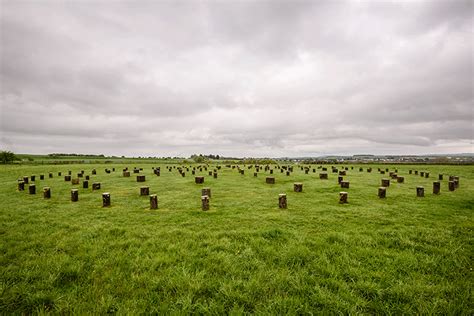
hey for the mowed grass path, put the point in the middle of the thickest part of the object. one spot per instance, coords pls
(401, 254)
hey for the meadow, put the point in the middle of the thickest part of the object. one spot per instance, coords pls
(399, 255)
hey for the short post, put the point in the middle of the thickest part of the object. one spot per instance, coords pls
(75, 181)
(33, 178)
(205, 202)
(382, 192)
(255, 174)
(298, 187)
(420, 191)
(436, 187)
(400, 179)
(41, 176)
(427, 174)
(21, 185)
(440, 177)
(386, 183)
(153, 202)
(206, 191)
(451, 186)
(345, 184)
(46, 193)
(74, 195)
(323, 176)
(215, 175)
(144, 191)
(126, 174)
(85, 184)
(199, 180)
(50, 174)
(342, 197)
(270, 180)
(141, 178)
(282, 201)
(67, 178)
(105, 199)
(95, 186)
(32, 188)
(26, 179)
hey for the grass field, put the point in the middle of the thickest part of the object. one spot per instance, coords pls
(400, 255)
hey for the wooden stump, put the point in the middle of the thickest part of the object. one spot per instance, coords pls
(75, 181)
(183, 174)
(50, 174)
(46, 193)
(282, 201)
(74, 195)
(298, 187)
(153, 202)
(410, 171)
(400, 179)
(382, 172)
(287, 173)
(21, 185)
(105, 199)
(422, 173)
(323, 176)
(270, 180)
(271, 171)
(215, 175)
(126, 174)
(394, 176)
(427, 174)
(440, 177)
(451, 186)
(342, 197)
(85, 184)
(210, 173)
(456, 182)
(199, 180)
(95, 186)
(87, 177)
(26, 179)
(345, 184)
(69, 172)
(342, 173)
(386, 183)
(141, 178)
(340, 179)
(206, 191)
(41, 176)
(94, 171)
(80, 175)
(436, 187)
(144, 191)
(382, 192)
(420, 191)
(59, 174)
(369, 170)
(67, 178)
(416, 172)
(136, 171)
(32, 189)
(205, 202)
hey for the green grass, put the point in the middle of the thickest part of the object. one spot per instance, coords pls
(400, 255)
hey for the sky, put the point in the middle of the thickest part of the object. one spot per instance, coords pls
(236, 78)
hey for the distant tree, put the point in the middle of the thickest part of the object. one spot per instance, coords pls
(7, 157)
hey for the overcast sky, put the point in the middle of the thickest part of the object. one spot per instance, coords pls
(239, 78)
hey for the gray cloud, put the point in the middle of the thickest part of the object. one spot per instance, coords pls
(264, 78)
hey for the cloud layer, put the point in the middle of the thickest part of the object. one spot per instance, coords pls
(263, 78)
